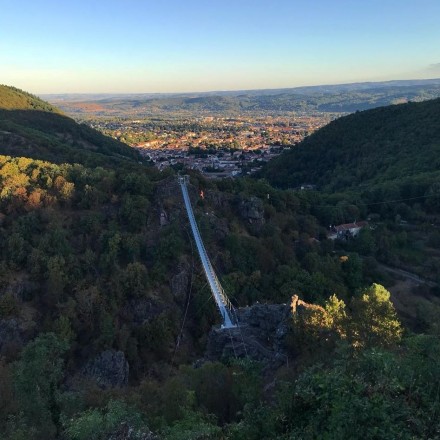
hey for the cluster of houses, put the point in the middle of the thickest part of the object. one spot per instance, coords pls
(216, 164)
(346, 231)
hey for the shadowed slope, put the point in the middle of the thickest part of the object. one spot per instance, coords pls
(375, 146)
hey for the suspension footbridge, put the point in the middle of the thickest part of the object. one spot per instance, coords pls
(224, 305)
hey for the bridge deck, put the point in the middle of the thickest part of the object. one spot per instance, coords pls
(218, 293)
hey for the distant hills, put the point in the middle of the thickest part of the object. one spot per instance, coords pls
(343, 98)
(383, 145)
(34, 128)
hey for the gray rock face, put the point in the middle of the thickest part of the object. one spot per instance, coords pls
(217, 198)
(252, 209)
(167, 188)
(109, 369)
(260, 336)
(163, 219)
(139, 311)
(127, 432)
(220, 226)
(179, 282)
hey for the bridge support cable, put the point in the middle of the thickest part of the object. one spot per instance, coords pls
(222, 301)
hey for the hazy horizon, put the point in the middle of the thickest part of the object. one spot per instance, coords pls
(238, 90)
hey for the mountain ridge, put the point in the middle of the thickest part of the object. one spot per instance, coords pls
(321, 87)
(12, 98)
(35, 128)
(328, 99)
(387, 143)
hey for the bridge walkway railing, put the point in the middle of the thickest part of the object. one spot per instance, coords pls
(220, 297)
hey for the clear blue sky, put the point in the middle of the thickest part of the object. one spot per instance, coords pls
(50, 46)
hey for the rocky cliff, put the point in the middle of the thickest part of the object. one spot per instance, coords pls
(260, 335)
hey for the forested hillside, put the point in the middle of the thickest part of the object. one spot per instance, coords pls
(105, 315)
(395, 145)
(33, 128)
(381, 164)
(12, 98)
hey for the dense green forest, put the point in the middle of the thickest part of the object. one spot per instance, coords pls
(381, 164)
(12, 98)
(397, 145)
(91, 277)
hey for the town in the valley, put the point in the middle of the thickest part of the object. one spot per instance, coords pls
(216, 146)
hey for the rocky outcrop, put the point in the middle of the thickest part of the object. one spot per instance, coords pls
(163, 218)
(252, 210)
(169, 200)
(127, 432)
(167, 188)
(179, 283)
(220, 227)
(141, 310)
(218, 199)
(298, 306)
(109, 370)
(260, 335)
